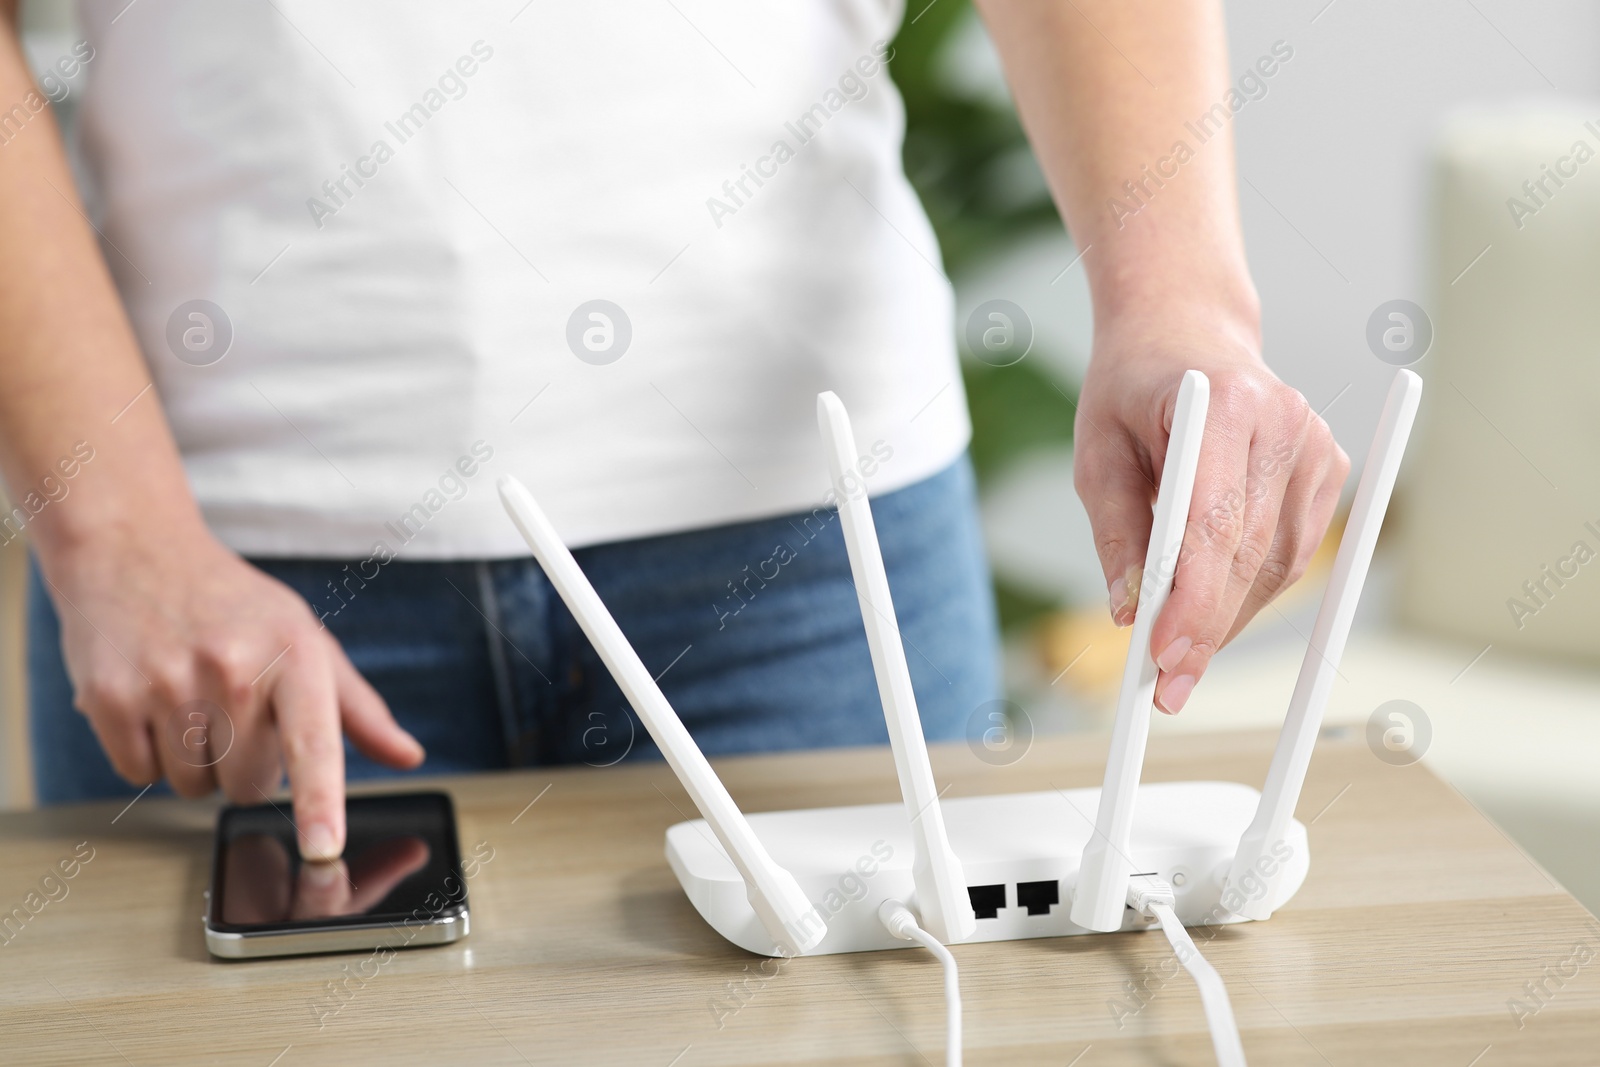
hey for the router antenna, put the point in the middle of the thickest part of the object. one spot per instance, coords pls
(1102, 890)
(1257, 863)
(942, 903)
(789, 918)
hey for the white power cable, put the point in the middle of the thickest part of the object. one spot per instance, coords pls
(899, 921)
(1154, 898)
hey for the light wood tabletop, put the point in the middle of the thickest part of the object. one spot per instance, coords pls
(1419, 924)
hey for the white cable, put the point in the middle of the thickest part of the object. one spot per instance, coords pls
(1154, 898)
(899, 921)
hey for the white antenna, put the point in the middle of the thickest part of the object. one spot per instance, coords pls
(1256, 864)
(789, 918)
(941, 900)
(1102, 890)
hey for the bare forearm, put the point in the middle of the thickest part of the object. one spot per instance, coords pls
(70, 364)
(1127, 104)
(1105, 89)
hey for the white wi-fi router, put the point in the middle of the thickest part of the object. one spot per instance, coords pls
(996, 868)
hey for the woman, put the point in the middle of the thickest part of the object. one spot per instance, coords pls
(370, 259)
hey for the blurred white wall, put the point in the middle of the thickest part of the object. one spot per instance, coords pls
(1340, 147)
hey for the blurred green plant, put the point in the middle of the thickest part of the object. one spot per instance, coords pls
(964, 150)
(962, 145)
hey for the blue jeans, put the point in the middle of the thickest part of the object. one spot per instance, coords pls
(753, 630)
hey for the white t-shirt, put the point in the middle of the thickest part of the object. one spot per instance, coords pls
(391, 220)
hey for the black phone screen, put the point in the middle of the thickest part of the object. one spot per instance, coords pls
(401, 863)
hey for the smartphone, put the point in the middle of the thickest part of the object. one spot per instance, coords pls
(399, 883)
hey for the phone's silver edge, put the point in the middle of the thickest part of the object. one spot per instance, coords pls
(436, 931)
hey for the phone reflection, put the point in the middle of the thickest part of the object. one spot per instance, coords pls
(265, 884)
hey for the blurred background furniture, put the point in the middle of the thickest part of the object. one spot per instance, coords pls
(1504, 513)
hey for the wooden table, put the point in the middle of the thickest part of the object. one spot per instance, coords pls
(1419, 922)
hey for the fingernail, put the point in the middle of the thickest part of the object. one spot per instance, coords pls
(1125, 596)
(320, 875)
(1119, 597)
(1176, 694)
(319, 843)
(1169, 659)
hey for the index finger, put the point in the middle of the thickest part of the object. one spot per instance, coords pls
(306, 707)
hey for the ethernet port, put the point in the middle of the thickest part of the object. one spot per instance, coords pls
(987, 900)
(1038, 897)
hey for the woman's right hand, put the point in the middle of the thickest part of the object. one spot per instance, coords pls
(154, 619)
(155, 612)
